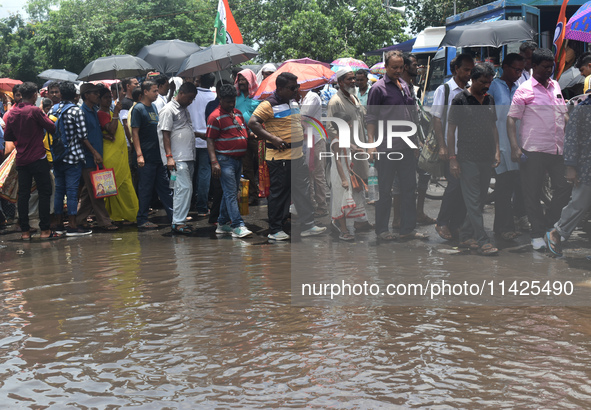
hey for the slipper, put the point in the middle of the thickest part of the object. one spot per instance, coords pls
(443, 232)
(426, 220)
(182, 229)
(509, 236)
(148, 225)
(26, 237)
(346, 236)
(108, 227)
(52, 236)
(488, 250)
(414, 235)
(471, 244)
(552, 246)
(386, 236)
(363, 227)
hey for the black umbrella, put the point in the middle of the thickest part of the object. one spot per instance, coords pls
(114, 67)
(58, 75)
(166, 56)
(215, 58)
(489, 34)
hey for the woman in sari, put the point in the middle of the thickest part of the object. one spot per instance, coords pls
(124, 205)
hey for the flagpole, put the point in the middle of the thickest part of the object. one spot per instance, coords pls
(215, 34)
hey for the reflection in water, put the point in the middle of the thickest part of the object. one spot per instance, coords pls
(188, 322)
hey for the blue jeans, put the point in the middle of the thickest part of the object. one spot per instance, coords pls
(150, 175)
(201, 180)
(230, 180)
(183, 188)
(67, 180)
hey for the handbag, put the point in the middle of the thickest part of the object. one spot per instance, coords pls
(9, 178)
(429, 160)
(103, 182)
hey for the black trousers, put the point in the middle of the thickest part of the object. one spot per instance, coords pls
(453, 210)
(40, 172)
(289, 180)
(508, 201)
(533, 173)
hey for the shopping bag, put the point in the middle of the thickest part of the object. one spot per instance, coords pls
(264, 178)
(103, 182)
(9, 178)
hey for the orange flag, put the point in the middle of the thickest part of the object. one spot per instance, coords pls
(227, 30)
(559, 46)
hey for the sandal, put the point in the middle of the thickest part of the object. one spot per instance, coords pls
(553, 246)
(346, 236)
(509, 236)
(148, 225)
(386, 236)
(488, 250)
(426, 220)
(414, 235)
(108, 227)
(443, 232)
(182, 229)
(26, 236)
(471, 244)
(363, 227)
(52, 236)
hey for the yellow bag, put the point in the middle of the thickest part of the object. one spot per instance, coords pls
(243, 196)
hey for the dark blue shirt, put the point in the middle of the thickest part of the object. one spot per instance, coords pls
(577, 142)
(146, 119)
(94, 135)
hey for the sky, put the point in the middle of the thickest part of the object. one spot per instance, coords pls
(11, 6)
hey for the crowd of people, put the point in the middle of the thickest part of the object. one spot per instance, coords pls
(190, 147)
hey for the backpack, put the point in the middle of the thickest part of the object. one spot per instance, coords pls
(429, 158)
(58, 142)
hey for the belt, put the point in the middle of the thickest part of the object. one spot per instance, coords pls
(288, 145)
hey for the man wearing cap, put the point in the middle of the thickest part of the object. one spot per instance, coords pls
(345, 102)
(93, 159)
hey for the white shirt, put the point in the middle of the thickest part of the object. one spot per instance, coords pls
(197, 112)
(177, 120)
(160, 102)
(526, 75)
(438, 103)
(312, 107)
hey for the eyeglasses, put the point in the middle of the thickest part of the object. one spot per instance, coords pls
(295, 87)
(518, 70)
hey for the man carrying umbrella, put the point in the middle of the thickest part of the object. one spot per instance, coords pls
(284, 135)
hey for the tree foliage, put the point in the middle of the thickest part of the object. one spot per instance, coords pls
(432, 13)
(70, 33)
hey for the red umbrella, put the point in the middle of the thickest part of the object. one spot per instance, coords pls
(305, 61)
(310, 76)
(6, 84)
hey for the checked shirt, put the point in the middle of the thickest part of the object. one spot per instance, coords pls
(75, 132)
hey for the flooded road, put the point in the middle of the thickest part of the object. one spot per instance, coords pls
(153, 321)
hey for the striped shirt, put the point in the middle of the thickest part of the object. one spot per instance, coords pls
(74, 131)
(228, 133)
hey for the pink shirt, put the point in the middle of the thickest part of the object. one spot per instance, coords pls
(542, 113)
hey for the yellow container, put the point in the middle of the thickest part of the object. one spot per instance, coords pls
(243, 196)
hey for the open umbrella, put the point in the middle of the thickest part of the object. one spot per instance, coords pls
(348, 61)
(6, 84)
(488, 34)
(58, 75)
(570, 78)
(310, 76)
(166, 56)
(378, 68)
(579, 25)
(305, 60)
(215, 58)
(114, 67)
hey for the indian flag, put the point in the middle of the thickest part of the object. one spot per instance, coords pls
(226, 29)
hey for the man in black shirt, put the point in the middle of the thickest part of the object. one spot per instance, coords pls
(473, 114)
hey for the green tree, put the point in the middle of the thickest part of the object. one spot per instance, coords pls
(432, 13)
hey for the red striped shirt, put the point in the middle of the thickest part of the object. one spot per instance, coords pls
(229, 133)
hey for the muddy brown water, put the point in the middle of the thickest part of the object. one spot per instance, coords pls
(150, 321)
